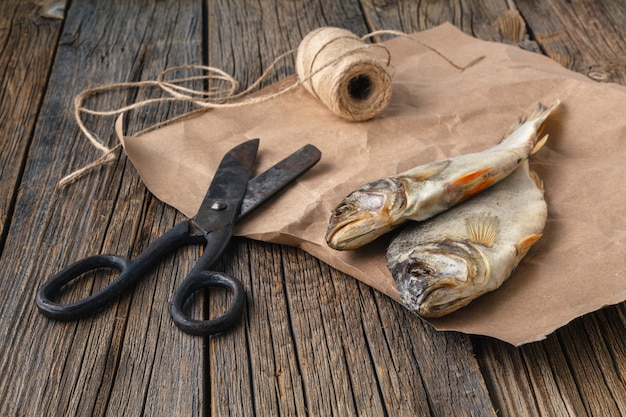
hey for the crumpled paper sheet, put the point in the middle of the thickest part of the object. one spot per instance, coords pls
(437, 111)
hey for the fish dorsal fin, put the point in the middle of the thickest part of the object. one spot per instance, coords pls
(535, 177)
(539, 144)
(514, 127)
(425, 172)
(483, 229)
(523, 246)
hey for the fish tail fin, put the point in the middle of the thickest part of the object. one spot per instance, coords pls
(542, 112)
(538, 118)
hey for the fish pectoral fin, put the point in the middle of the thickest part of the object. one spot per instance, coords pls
(539, 144)
(523, 246)
(483, 229)
(428, 171)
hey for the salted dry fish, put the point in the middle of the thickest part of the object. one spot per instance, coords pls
(422, 192)
(442, 264)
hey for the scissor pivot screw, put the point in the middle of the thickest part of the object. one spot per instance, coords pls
(219, 206)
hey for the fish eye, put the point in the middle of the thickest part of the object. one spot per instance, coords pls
(420, 269)
(342, 210)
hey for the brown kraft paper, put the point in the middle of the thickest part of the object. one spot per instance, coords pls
(437, 110)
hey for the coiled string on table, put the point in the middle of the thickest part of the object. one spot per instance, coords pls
(345, 73)
(349, 76)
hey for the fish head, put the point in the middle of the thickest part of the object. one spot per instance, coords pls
(365, 214)
(441, 277)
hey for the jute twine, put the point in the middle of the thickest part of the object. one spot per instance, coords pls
(340, 69)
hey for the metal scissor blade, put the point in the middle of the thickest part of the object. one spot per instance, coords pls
(265, 185)
(226, 192)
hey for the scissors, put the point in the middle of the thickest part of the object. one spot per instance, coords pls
(231, 196)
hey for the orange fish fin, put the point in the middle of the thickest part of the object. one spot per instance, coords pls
(483, 229)
(471, 176)
(428, 171)
(477, 187)
(539, 144)
(486, 183)
(523, 246)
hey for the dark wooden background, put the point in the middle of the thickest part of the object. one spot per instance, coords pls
(313, 341)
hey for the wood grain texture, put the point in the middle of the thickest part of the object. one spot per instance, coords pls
(23, 27)
(585, 36)
(558, 376)
(313, 341)
(331, 345)
(129, 359)
(546, 378)
(478, 18)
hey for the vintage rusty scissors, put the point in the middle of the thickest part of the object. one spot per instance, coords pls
(231, 195)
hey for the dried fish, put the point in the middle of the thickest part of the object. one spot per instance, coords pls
(422, 192)
(442, 264)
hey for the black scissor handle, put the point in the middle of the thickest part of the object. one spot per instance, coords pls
(197, 280)
(52, 287)
(130, 273)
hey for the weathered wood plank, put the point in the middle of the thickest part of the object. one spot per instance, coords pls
(519, 384)
(516, 392)
(130, 359)
(489, 21)
(482, 19)
(585, 36)
(23, 27)
(22, 85)
(333, 352)
(575, 371)
(283, 372)
(334, 347)
(406, 351)
(313, 341)
(557, 378)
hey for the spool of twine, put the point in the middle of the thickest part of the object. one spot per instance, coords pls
(334, 65)
(344, 73)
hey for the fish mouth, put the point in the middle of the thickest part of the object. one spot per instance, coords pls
(345, 243)
(366, 214)
(422, 300)
(354, 233)
(435, 283)
(435, 310)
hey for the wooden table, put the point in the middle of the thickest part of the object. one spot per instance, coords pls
(313, 341)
